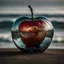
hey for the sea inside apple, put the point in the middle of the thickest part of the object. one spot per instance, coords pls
(32, 33)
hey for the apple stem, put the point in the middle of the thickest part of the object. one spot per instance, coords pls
(31, 11)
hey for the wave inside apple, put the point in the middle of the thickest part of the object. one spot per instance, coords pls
(32, 34)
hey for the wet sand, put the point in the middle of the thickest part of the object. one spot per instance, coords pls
(15, 56)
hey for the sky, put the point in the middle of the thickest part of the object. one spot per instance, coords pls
(39, 6)
(31, 2)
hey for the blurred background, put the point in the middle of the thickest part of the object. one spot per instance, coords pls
(10, 10)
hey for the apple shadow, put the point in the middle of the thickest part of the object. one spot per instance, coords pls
(18, 53)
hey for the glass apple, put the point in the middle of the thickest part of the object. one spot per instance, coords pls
(32, 34)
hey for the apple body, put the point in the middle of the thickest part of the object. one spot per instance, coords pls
(32, 35)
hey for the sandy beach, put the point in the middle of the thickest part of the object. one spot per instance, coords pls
(14, 56)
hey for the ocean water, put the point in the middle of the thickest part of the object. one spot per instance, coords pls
(7, 20)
